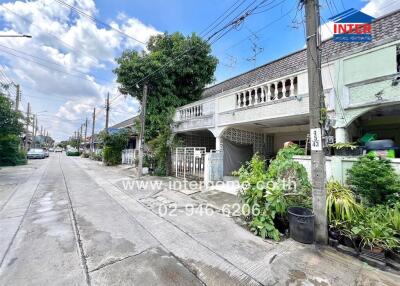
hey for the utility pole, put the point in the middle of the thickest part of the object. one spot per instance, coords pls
(93, 124)
(107, 110)
(142, 127)
(80, 138)
(86, 122)
(17, 97)
(35, 129)
(317, 118)
(28, 114)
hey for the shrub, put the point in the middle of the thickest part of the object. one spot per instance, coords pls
(73, 153)
(283, 167)
(96, 157)
(10, 152)
(111, 156)
(85, 155)
(269, 193)
(113, 146)
(374, 179)
(340, 202)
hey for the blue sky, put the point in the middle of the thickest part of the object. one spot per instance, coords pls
(66, 76)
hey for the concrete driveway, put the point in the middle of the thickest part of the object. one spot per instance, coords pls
(71, 221)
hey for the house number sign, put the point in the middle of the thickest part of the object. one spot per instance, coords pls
(316, 139)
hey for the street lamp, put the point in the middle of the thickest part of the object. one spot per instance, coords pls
(16, 36)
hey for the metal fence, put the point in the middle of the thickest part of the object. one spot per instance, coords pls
(188, 162)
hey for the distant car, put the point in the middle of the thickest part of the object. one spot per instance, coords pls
(58, 149)
(51, 149)
(36, 153)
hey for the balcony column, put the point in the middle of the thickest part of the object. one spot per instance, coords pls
(268, 92)
(218, 143)
(276, 91)
(291, 90)
(283, 88)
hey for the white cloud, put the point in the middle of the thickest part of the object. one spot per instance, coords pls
(43, 65)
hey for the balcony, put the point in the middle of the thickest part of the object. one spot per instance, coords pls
(199, 115)
(272, 91)
(269, 102)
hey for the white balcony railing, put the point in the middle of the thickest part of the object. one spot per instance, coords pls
(193, 111)
(271, 91)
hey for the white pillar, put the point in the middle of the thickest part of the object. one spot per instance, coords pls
(341, 135)
(276, 91)
(291, 93)
(268, 92)
(283, 88)
(218, 143)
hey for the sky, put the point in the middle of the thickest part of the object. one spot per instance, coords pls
(65, 69)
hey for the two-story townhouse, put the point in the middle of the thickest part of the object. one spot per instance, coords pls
(261, 109)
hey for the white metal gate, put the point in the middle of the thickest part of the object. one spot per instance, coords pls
(189, 162)
(129, 156)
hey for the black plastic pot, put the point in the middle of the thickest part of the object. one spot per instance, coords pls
(301, 224)
(335, 234)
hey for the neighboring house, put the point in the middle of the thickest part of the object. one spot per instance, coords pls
(130, 154)
(261, 109)
(129, 124)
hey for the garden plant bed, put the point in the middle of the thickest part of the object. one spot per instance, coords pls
(386, 261)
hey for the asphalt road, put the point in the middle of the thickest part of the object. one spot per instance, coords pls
(69, 221)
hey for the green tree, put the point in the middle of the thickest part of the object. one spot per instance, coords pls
(182, 66)
(11, 128)
(10, 123)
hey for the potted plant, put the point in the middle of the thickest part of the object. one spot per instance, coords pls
(347, 149)
(376, 237)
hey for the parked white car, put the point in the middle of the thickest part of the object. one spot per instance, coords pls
(36, 153)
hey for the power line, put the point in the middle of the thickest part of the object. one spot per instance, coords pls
(97, 20)
(212, 26)
(261, 29)
(333, 85)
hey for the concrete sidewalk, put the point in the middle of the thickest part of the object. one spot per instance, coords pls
(222, 246)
